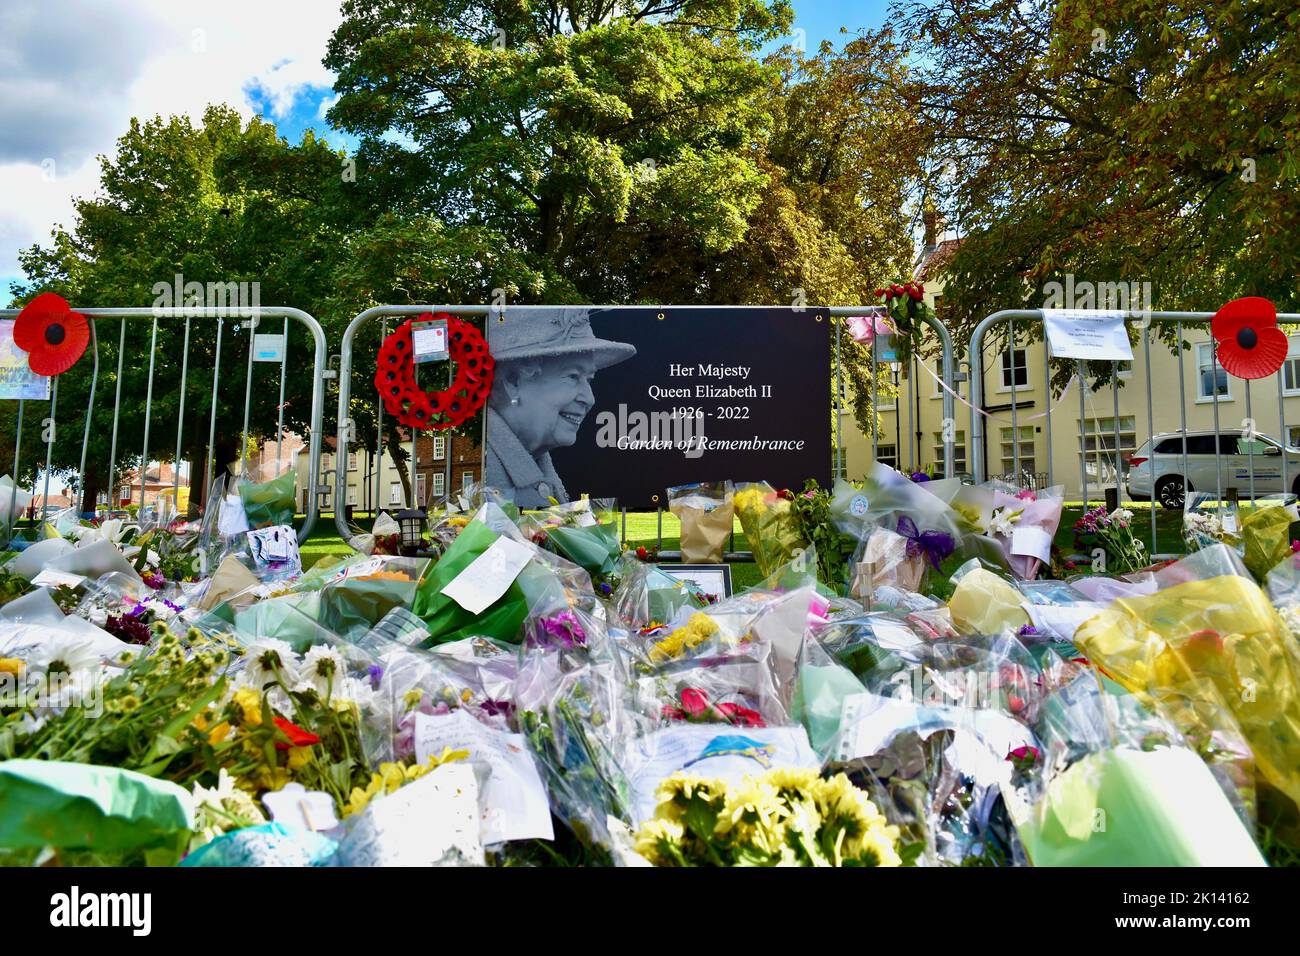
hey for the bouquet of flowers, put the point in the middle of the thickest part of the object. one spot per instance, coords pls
(570, 704)
(584, 532)
(784, 817)
(706, 513)
(907, 312)
(1112, 532)
(768, 520)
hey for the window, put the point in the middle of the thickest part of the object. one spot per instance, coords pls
(887, 455)
(938, 372)
(1196, 445)
(439, 485)
(352, 462)
(1098, 437)
(439, 447)
(466, 480)
(419, 489)
(958, 451)
(395, 493)
(1024, 448)
(1291, 371)
(1293, 436)
(352, 495)
(1209, 378)
(1015, 369)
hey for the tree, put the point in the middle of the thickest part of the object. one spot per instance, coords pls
(221, 203)
(622, 152)
(1119, 141)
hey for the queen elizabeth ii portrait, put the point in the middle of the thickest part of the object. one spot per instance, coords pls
(546, 359)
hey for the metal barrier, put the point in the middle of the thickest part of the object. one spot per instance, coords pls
(347, 427)
(252, 316)
(1107, 449)
(947, 391)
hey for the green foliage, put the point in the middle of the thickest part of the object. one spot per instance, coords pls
(1118, 142)
(811, 513)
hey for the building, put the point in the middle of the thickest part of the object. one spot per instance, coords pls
(160, 480)
(1082, 442)
(442, 462)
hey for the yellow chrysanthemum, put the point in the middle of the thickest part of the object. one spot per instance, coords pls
(250, 702)
(652, 836)
(11, 665)
(698, 629)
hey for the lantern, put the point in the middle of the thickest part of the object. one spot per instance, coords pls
(411, 521)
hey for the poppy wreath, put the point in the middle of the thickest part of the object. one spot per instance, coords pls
(53, 336)
(1248, 342)
(412, 405)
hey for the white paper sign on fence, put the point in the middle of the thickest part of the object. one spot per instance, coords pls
(1093, 334)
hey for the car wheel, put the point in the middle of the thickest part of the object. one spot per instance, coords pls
(1170, 493)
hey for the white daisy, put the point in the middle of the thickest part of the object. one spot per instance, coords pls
(267, 660)
(65, 654)
(324, 667)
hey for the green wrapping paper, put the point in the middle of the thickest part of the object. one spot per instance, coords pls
(448, 621)
(819, 702)
(1128, 807)
(269, 503)
(594, 548)
(292, 618)
(83, 806)
(351, 606)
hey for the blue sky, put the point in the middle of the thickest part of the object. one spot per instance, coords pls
(76, 74)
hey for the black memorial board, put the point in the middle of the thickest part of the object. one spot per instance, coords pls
(625, 402)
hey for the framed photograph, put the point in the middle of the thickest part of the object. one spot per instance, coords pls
(712, 579)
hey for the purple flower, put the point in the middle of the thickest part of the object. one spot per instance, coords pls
(1027, 631)
(920, 476)
(499, 708)
(376, 673)
(154, 579)
(558, 630)
(128, 628)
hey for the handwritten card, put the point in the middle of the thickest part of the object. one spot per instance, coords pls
(513, 802)
(488, 576)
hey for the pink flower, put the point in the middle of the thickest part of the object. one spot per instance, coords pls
(694, 702)
(1027, 495)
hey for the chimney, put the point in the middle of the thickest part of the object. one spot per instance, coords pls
(933, 229)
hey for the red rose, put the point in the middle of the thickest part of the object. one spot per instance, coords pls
(741, 716)
(694, 702)
(642, 553)
(878, 293)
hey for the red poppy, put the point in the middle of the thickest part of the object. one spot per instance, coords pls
(52, 335)
(297, 736)
(1250, 345)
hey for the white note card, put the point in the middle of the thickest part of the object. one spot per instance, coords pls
(1032, 541)
(1088, 334)
(488, 576)
(513, 804)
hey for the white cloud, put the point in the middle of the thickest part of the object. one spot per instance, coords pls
(72, 74)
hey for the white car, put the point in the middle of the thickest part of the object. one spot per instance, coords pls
(1157, 467)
